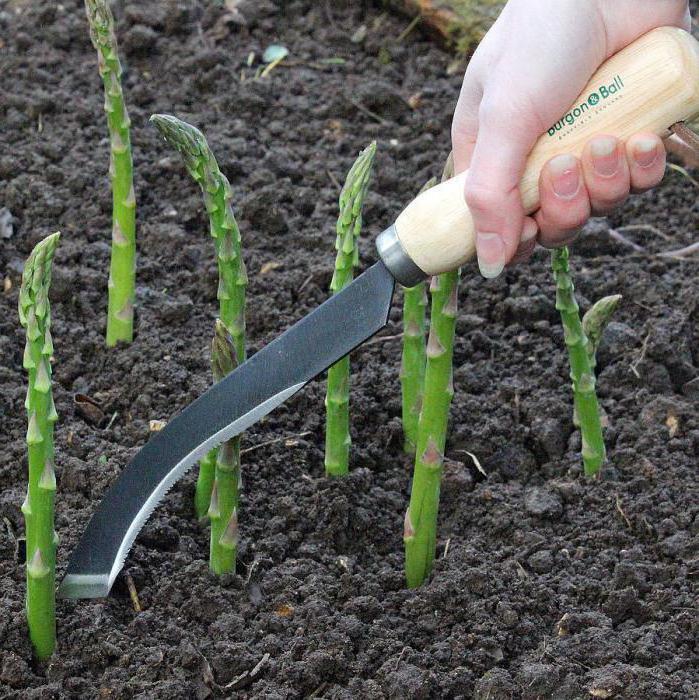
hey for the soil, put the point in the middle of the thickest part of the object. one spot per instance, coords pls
(547, 585)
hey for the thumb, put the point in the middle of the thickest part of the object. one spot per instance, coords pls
(505, 138)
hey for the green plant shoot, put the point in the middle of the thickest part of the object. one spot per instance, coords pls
(202, 166)
(122, 271)
(223, 506)
(595, 321)
(581, 354)
(420, 527)
(349, 226)
(412, 371)
(38, 507)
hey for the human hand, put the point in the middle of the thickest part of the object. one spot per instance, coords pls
(524, 75)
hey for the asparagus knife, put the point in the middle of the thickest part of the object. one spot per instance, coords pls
(649, 86)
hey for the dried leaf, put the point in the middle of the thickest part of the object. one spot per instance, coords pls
(87, 408)
(359, 34)
(477, 463)
(269, 266)
(415, 100)
(155, 425)
(284, 610)
(673, 424)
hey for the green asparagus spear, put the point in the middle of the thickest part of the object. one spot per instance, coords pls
(202, 166)
(35, 316)
(420, 534)
(349, 226)
(420, 527)
(122, 272)
(581, 354)
(412, 372)
(595, 321)
(223, 506)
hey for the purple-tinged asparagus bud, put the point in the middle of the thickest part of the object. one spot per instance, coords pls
(36, 568)
(48, 477)
(434, 346)
(432, 457)
(214, 509)
(34, 436)
(408, 529)
(229, 538)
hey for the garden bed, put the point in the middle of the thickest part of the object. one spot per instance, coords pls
(546, 585)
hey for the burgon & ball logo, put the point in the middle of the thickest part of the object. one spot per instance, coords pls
(592, 101)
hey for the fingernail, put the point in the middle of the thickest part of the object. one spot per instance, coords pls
(645, 152)
(491, 254)
(565, 176)
(605, 156)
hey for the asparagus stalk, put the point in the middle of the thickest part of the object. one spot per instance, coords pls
(38, 507)
(420, 526)
(202, 166)
(580, 354)
(223, 506)
(122, 272)
(349, 226)
(412, 373)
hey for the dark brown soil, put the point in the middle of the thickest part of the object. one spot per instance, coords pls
(547, 585)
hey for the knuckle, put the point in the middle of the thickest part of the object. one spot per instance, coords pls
(458, 134)
(480, 197)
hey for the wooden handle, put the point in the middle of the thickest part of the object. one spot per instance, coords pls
(649, 86)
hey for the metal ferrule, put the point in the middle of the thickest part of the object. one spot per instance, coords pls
(398, 262)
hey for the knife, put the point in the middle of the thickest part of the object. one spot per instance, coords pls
(649, 86)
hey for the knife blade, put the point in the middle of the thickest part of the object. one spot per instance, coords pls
(228, 408)
(648, 86)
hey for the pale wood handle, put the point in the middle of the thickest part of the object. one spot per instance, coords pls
(649, 86)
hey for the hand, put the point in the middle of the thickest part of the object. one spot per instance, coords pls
(527, 71)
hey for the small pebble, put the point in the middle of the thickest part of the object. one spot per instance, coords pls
(543, 503)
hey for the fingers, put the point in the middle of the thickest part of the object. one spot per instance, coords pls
(527, 242)
(645, 154)
(606, 172)
(492, 183)
(571, 190)
(565, 203)
(464, 127)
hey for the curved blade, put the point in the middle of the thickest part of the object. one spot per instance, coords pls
(255, 388)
